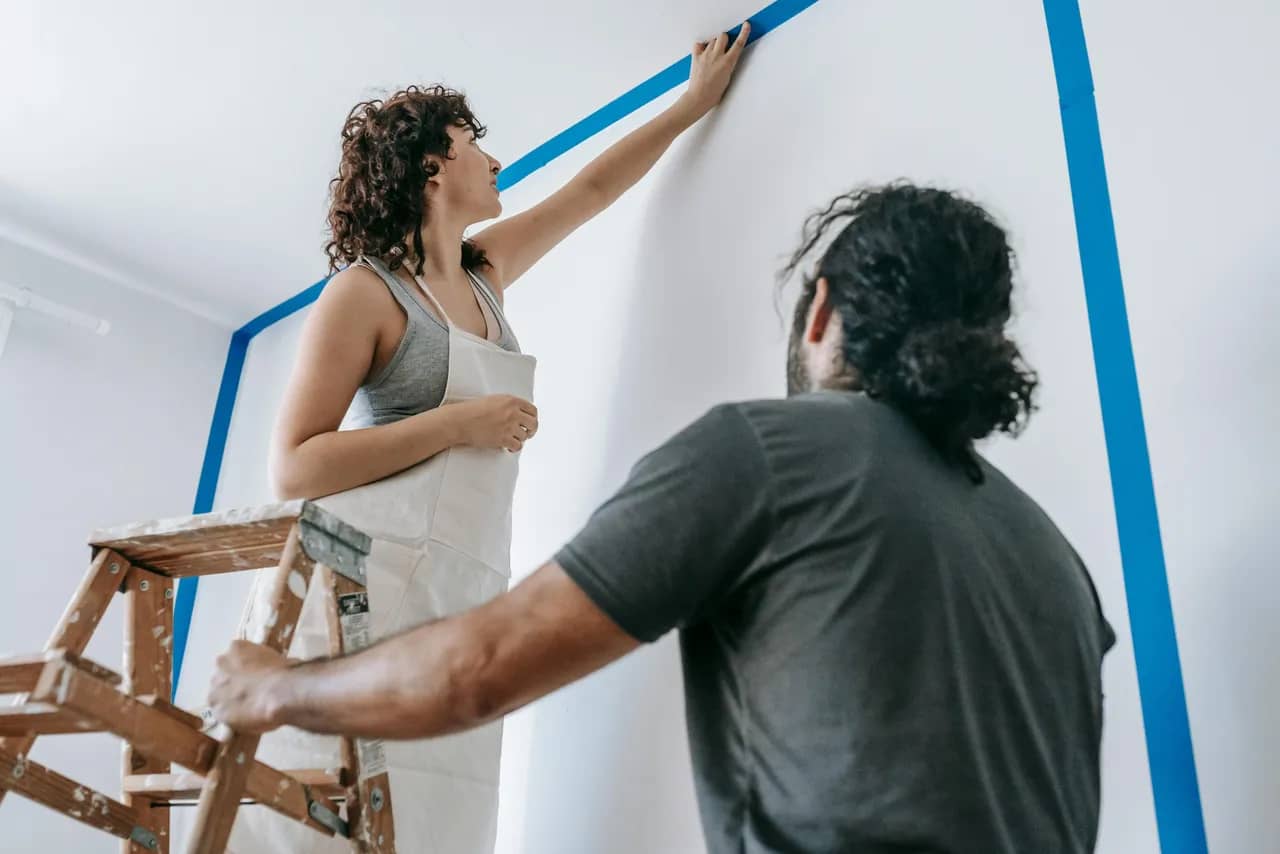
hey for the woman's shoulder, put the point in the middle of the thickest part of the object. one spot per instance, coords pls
(358, 299)
(355, 286)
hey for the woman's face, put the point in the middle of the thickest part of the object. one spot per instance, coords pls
(468, 183)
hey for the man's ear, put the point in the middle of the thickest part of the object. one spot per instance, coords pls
(820, 311)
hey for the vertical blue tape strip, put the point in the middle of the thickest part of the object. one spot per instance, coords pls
(209, 471)
(766, 20)
(1179, 817)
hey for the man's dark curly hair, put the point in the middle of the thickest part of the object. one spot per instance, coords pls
(921, 279)
(377, 199)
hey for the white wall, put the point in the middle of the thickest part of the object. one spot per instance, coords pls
(94, 431)
(663, 306)
(695, 259)
(1191, 158)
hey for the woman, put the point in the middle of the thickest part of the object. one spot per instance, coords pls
(409, 344)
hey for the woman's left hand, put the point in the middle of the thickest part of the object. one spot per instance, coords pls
(713, 65)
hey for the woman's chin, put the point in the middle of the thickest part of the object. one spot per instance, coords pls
(492, 210)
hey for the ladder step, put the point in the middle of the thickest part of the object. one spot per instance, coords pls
(42, 719)
(19, 674)
(187, 787)
(181, 715)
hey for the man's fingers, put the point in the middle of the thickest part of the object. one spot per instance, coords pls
(741, 41)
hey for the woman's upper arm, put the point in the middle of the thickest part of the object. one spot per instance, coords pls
(339, 339)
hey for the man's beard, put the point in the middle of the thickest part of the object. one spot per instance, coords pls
(798, 379)
(840, 377)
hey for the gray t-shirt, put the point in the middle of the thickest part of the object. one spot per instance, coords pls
(879, 655)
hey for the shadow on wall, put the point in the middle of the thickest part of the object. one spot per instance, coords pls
(609, 768)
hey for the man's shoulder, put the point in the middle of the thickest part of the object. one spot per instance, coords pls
(768, 428)
(817, 412)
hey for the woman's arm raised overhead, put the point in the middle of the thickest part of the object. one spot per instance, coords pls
(515, 244)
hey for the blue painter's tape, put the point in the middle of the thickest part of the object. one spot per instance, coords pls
(655, 86)
(1178, 809)
(272, 316)
(763, 22)
(1179, 817)
(205, 491)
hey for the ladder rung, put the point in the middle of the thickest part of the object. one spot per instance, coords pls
(42, 719)
(186, 787)
(181, 715)
(19, 674)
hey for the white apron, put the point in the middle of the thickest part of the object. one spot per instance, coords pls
(441, 544)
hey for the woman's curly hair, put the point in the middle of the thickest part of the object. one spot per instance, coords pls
(377, 199)
(922, 281)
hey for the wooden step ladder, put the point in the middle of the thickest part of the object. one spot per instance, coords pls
(62, 693)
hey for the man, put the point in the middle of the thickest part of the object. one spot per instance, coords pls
(887, 645)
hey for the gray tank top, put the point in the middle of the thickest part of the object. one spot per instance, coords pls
(415, 378)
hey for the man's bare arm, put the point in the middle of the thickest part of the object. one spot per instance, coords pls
(442, 677)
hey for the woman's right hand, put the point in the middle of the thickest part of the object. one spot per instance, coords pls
(712, 67)
(498, 421)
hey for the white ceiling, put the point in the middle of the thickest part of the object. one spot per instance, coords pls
(186, 148)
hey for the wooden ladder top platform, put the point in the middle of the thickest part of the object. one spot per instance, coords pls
(235, 540)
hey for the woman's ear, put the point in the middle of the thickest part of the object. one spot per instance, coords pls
(435, 167)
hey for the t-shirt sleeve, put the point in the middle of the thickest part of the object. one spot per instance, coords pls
(664, 551)
(1106, 634)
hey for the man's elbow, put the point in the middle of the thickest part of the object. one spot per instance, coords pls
(475, 695)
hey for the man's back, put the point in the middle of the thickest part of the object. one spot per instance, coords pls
(880, 654)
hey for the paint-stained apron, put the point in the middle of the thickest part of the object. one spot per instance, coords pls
(441, 544)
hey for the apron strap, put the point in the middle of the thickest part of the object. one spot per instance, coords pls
(491, 322)
(426, 291)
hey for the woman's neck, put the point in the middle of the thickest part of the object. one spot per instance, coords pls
(441, 248)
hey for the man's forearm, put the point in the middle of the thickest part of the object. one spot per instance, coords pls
(421, 683)
(443, 677)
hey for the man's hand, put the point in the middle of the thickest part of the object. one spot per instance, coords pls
(245, 692)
